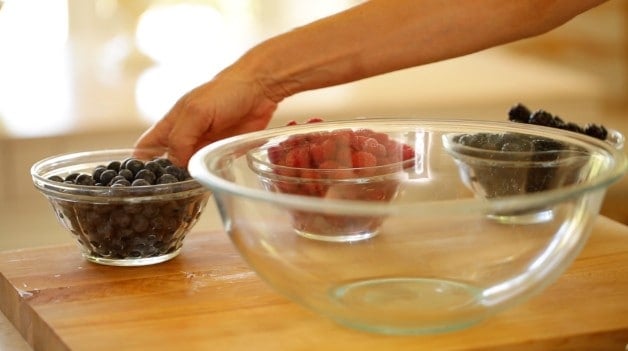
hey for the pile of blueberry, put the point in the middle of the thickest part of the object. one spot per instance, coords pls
(130, 172)
(520, 113)
(120, 229)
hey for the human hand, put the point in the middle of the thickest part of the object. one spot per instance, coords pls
(228, 105)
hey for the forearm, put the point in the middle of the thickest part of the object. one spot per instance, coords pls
(381, 36)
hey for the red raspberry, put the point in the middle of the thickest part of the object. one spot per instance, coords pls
(342, 137)
(275, 155)
(317, 155)
(329, 148)
(407, 152)
(344, 157)
(298, 157)
(371, 145)
(363, 159)
(314, 120)
(329, 164)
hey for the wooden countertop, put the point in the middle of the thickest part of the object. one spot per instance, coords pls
(208, 299)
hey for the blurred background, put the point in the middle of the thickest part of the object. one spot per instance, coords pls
(79, 75)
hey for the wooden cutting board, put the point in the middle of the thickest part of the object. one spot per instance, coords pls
(208, 299)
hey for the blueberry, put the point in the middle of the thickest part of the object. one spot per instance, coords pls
(127, 174)
(120, 183)
(84, 179)
(163, 162)
(71, 177)
(116, 179)
(140, 182)
(107, 176)
(56, 178)
(134, 165)
(154, 167)
(114, 165)
(97, 172)
(167, 179)
(175, 171)
(146, 175)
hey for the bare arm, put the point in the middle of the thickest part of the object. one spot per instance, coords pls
(373, 38)
(381, 36)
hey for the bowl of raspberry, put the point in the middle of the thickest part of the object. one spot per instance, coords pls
(344, 164)
(295, 200)
(122, 209)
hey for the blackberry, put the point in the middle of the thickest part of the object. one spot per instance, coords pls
(542, 118)
(519, 113)
(573, 127)
(596, 131)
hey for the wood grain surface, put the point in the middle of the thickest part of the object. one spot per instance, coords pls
(208, 299)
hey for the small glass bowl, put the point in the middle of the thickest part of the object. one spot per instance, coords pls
(377, 183)
(120, 226)
(509, 163)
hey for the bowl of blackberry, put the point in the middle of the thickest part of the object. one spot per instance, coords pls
(296, 204)
(516, 162)
(345, 164)
(121, 208)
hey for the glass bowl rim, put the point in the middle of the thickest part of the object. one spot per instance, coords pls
(210, 153)
(94, 193)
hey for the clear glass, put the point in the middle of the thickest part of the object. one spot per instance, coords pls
(127, 226)
(443, 258)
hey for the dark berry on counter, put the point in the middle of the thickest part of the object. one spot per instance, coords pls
(519, 113)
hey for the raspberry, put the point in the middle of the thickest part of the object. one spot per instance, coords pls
(344, 157)
(329, 164)
(362, 159)
(372, 146)
(314, 120)
(299, 157)
(317, 155)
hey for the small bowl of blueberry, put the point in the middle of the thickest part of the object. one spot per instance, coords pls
(122, 209)
(345, 164)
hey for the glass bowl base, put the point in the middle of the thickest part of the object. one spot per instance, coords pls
(132, 262)
(337, 237)
(541, 216)
(409, 306)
